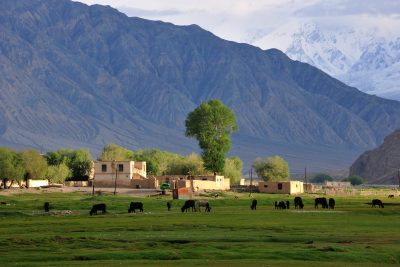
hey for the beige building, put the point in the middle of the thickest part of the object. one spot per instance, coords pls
(247, 182)
(196, 182)
(283, 187)
(122, 174)
(337, 184)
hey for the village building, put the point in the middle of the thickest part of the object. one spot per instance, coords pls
(131, 174)
(309, 188)
(336, 184)
(281, 187)
(248, 182)
(196, 182)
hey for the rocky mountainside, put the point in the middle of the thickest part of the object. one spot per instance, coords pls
(382, 164)
(366, 58)
(76, 75)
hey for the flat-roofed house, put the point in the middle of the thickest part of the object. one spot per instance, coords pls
(281, 187)
(122, 174)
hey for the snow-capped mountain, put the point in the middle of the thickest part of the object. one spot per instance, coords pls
(366, 58)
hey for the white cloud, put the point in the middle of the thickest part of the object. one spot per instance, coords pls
(244, 20)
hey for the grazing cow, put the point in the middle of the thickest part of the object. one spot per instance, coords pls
(331, 203)
(98, 207)
(205, 204)
(322, 201)
(390, 196)
(189, 204)
(298, 203)
(377, 202)
(287, 204)
(169, 205)
(253, 204)
(282, 205)
(276, 205)
(46, 206)
(208, 207)
(3, 203)
(135, 206)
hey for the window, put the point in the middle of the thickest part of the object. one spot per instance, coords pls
(265, 185)
(120, 167)
(104, 167)
(279, 186)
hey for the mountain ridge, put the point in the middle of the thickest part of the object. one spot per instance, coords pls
(363, 57)
(88, 75)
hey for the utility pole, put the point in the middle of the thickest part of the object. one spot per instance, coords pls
(93, 186)
(305, 177)
(251, 182)
(116, 175)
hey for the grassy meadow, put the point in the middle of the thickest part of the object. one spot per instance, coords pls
(354, 234)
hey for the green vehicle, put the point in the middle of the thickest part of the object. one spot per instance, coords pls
(164, 186)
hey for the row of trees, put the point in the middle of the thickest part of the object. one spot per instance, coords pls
(211, 123)
(322, 177)
(55, 166)
(161, 162)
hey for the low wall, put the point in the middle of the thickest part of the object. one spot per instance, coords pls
(76, 183)
(107, 182)
(37, 183)
(149, 183)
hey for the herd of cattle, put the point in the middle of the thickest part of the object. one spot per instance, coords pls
(195, 205)
(189, 205)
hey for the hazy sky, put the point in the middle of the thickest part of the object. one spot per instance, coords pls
(244, 20)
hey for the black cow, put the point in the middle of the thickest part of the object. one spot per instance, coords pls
(276, 205)
(331, 203)
(208, 207)
(390, 196)
(135, 206)
(298, 203)
(282, 205)
(46, 206)
(322, 201)
(377, 202)
(169, 205)
(287, 204)
(253, 204)
(189, 204)
(98, 207)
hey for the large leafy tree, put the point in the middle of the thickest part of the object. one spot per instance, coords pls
(320, 178)
(79, 161)
(58, 173)
(35, 165)
(10, 166)
(354, 180)
(157, 161)
(272, 169)
(191, 164)
(233, 169)
(212, 124)
(115, 152)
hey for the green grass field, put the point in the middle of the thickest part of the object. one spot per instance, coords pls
(231, 235)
